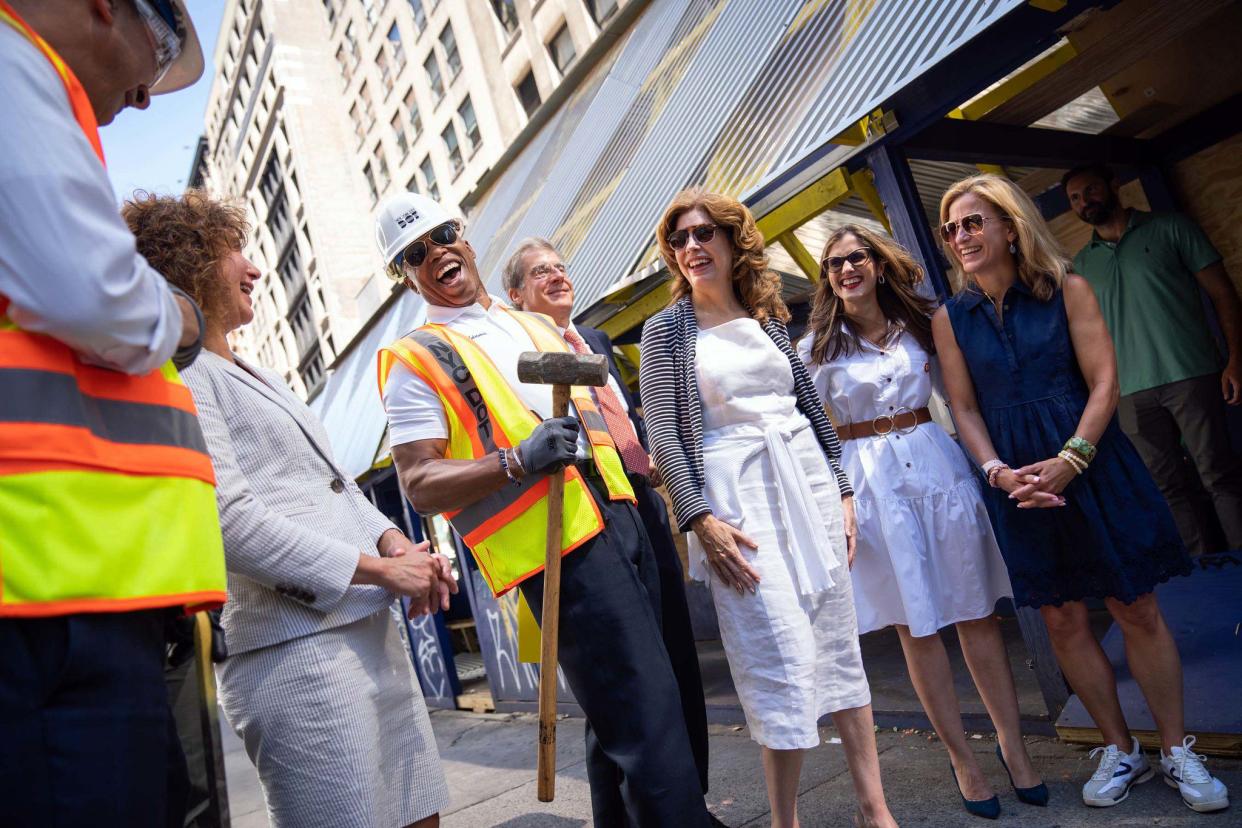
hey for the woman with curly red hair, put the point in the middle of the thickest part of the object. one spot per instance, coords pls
(753, 468)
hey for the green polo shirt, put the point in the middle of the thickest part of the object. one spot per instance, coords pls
(1148, 293)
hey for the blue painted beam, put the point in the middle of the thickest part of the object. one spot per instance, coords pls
(898, 192)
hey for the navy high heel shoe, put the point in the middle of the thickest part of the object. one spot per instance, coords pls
(986, 808)
(1036, 795)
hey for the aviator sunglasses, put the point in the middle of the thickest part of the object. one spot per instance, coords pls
(703, 233)
(856, 258)
(416, 253)
(972, 224)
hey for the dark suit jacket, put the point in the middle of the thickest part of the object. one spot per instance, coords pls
(600, 343)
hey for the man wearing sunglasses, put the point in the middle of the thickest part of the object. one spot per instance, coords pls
(1147, 270)
(473, 442)
(536, 279)
(108, 520)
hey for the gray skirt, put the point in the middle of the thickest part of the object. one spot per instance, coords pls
(336, 725)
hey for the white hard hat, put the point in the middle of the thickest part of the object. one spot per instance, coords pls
(188, 65)
(401, 219)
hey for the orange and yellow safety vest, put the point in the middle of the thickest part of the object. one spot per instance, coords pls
(506, 531)
(107, 494)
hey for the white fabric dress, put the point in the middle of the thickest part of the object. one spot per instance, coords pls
(793, 645)
(926, 556)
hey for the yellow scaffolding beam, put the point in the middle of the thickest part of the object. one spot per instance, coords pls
(795, 248)
(810, 202)
(1019, 82)
(636, 312)
(863, 185)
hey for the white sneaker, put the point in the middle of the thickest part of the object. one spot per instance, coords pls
(1184, 770)
(1117, 773)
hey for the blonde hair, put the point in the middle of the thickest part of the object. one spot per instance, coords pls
(756, 286)
(1042, 264)
(897, 296)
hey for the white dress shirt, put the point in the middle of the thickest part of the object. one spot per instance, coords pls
(68, 263)
(414, 408)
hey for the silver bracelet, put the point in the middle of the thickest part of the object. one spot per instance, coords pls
(504, 464)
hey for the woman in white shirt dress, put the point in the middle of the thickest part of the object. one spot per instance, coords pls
(751, 464)
(926, 556)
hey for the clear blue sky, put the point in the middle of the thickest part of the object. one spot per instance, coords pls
(152, 149)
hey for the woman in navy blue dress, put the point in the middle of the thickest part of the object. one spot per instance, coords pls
(1032, 379)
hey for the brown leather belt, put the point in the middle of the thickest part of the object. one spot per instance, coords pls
(903, 422)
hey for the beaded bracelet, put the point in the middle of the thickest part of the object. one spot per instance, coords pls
(1077, 463)
(1080, 446)
(992, 469)
(504, 464)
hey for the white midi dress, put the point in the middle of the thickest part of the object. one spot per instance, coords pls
(926, 556)
(792, 646)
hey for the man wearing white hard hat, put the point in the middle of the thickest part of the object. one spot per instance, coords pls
(108, 523)
(472, 442)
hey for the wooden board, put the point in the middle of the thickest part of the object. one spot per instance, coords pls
(1209, 186)
(1204, 612)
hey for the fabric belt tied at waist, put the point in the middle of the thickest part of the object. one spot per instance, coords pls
(811, 551)
(903, 422)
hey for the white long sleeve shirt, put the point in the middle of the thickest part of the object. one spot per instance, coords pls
(68, 263)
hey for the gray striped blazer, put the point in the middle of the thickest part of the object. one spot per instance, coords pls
(294, 522)
(669, 390)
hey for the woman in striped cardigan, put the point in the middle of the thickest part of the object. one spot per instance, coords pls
(752, 464)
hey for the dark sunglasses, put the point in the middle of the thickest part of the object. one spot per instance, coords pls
(416, 253)
(833, 264)
(972, 224)
(703, 233)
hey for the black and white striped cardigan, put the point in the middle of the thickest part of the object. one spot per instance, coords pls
(670, 399)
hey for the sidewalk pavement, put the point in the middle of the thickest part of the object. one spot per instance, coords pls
(490, 763)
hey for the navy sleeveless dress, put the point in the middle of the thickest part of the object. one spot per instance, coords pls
(1115, 537)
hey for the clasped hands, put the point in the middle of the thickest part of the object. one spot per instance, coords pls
(409, 569)
(1038, 485)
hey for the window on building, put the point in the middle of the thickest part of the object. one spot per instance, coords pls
(351, 43)
(430, 188)
(420, 16)
(432, 67)
(385, 68)
(528, 93)
(601, 10)
(382, 176)
(394, 46)
(311, 369)
(372, 185)
(416, 120)
(398, 133)
(470, 125)
(561, 47)
(452, 57)
(452, 148)
(355, 115)
(289, 269)
(346, 64)
(506, 14)
(371, 9)
(272, 189)
(368, 106)
(329, 8)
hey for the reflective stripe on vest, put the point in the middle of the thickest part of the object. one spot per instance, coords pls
(547, 337)
(107, 496)
(506, 530)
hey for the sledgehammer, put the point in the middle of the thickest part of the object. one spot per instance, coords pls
(561, 371)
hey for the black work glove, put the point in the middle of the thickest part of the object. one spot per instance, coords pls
(552, 445)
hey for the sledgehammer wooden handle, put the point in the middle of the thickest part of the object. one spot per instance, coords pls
(550, 619)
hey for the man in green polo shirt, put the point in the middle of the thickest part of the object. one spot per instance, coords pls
(1146, 269)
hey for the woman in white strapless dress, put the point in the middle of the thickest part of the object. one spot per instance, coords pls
(926, 556)
(752, 467)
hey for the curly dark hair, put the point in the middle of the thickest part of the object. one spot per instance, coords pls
(185, 238)
(756, 286)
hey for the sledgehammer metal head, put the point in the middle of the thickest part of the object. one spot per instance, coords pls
(552, 368)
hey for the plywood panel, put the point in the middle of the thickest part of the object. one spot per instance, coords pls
(1209, 186)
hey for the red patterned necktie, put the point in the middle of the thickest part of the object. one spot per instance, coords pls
(633, 455)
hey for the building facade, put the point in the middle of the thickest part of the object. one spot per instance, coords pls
(320, 108)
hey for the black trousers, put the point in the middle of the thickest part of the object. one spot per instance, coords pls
(86, 736)
(615, 662)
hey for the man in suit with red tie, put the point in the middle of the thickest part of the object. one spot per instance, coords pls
(535, 279)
